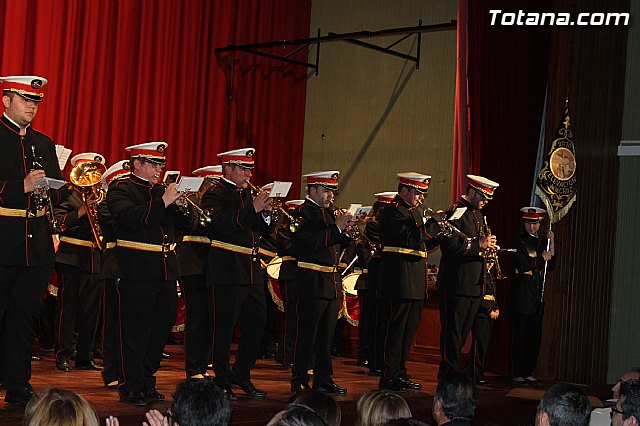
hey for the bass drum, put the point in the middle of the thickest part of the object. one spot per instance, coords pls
(349, 283)
(273, 268)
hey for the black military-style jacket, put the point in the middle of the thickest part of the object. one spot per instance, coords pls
(404, 275)
(235, 229)
(110, 267)
(489, 302)
(317, 243)
(140, 216)
(525, 292)
(75, 242)
(289, 266)
(25, 240)
(193, 249)
(461, 265)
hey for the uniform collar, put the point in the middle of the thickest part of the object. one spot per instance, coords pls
(402, 202)
(12, 124)
(139, 180)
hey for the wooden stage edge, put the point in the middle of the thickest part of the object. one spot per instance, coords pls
(494, 406)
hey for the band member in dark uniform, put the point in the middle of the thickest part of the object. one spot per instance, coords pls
(317, 286)
(372, 334)
(144, 216)
(402, 277)
(26, 254)
(525, 295)
(193, 255)
(78, 263)
(481, 330)
(235, 275)
(287, 272)
(110, 306)
(461, 274)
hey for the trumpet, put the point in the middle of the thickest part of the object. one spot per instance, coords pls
(448, 230)
(42, 198)
(352, 230)
(190, 207)
(295, 223)
(86, 177)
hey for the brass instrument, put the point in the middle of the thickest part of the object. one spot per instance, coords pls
(447, 229)
(352, 230)
(86, 177)
(42, 198)
(295, 223)
(205, 216)
(491, 254)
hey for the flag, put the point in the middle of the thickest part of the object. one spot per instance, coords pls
(556, 184)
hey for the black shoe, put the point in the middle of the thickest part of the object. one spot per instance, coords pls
(395, 385)
(88, 365)
(534, 382)
(482, 382)
(409, 384)
(520, 383)
(35, 358)
(133, 398)
(109, 382)
(300, 387)
(64, 365)
(153, 395)
(375, 371)
(329, 387)
(165, 355)
(228, 393)
(19, 397)
(362, 362)
(248, 388)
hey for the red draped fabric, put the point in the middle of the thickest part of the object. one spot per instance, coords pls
(504, 79)
(123, 72)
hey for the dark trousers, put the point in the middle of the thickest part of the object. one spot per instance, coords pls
(77, 310)
(197, 333)
(22, 290)
(147, 313)
(367, 324)
(400, 321)
(457, 314)
(245, 306)
(290, 323)
(46, 338)
(377, 361)
(271, 310)
(481, 334)
(110, 330)
(526, 335)
(316, 323)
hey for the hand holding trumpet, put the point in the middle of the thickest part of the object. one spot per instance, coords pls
(262, 201)
(171, 194)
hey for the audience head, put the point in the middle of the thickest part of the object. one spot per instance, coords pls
(297, 415)
(59, 407)
(632, 374)
(564, 405)
(406, 422)
(199, 402)
(324, 405)
(627, 409)
(380, 407)
(455, 399)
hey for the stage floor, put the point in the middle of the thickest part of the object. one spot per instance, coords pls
(494, 406)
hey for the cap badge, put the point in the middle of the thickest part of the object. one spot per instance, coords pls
(37, 83)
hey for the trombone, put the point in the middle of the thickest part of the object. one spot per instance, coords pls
(295, 223)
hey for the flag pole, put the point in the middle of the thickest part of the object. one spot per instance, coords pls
(546, 263)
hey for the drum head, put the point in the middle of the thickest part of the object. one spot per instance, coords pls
(349, 284)
(273, 268)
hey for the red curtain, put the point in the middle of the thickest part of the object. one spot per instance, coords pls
(505, 82)
(123, 72)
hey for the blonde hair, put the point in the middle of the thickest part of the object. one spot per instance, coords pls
(379, 407)
(59, 407)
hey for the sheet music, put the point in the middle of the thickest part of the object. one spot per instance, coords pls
(280, 189)
(63, 155)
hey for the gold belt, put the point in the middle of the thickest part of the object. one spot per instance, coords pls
(287, 258)
(267, 252)
(403, 250)
(525, 272)
(234, 248)
(315, 267)
(196, 239)
(489, 297)
(4, 211)
(78, 242)
(109, 245)
(156, 248)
